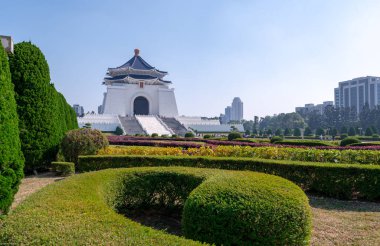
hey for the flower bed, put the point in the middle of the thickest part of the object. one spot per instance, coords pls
(347, 156)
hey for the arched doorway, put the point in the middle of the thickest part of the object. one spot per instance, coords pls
(141, 106)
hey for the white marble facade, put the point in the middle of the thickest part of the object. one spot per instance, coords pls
(119, 99)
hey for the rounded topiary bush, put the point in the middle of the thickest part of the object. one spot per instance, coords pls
(349, 140)
(189, 135)
(233, 135)
(154, 135)
(84, 141)
(276, 139)
(247, 209)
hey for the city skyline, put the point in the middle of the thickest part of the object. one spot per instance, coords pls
(263, 52)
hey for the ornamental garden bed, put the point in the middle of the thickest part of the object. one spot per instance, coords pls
(229, 207)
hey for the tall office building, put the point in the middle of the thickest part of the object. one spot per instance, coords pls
(357, 92)
(78, 110)
(233, 112)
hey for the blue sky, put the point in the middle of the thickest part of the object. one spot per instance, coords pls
(274, 55)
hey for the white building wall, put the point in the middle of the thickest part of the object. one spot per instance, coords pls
(119, 99)
(167, 103)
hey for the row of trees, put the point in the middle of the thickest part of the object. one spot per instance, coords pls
(33, 117)
(333, 121)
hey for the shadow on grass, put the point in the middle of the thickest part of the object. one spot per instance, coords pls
(342, 205)
(169, 222)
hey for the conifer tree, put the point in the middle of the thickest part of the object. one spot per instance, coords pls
(36, 105)
(11, 158)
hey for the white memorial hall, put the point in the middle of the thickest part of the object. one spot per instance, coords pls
(140, 101)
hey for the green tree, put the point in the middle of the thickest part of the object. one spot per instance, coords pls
(351, 131)
(287, 132)
(307, 132)
(319, 132)
(278, 132)
(11, 158)
(37, 105)
(297, 132)
(368, 131)
(343, 130)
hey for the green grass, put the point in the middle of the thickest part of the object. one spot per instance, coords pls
(79, 210)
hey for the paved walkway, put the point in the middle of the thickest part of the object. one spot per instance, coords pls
(33, 183)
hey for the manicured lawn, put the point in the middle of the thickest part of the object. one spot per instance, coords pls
(337, 222)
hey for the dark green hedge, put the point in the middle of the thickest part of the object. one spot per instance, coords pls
(221, 207)
(11, 158)
(63, 168)
(304, 143)
(344, 181)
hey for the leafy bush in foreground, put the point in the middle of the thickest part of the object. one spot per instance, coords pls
(11, 158)
(251, 211)
(84, 141)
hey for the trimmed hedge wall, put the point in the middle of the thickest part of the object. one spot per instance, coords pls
(221, 207)
(343, 181)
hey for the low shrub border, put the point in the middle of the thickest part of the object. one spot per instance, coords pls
(304, 143)
(342, 181)
(63, 168)
(241, 208)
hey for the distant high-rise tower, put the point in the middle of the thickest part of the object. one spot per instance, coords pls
(233, 112)
(357, 92)
(237, 109)
(78, 110)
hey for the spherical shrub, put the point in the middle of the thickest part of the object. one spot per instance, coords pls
(154, 135)
(276, 139)
(207, 136)
(343, 136)
(247, 208)
(84, 141)
(233, 135)
(349, 140)
(189, 135)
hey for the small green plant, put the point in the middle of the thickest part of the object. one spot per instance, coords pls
(63, 168)
(343, 136)
(174, 136)
(207, 136)
(154, 135)
(276, 139)
(119, 131)
(189, 135)
(233, 135)
(349, 140)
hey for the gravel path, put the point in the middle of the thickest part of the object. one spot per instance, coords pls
(33, 183)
